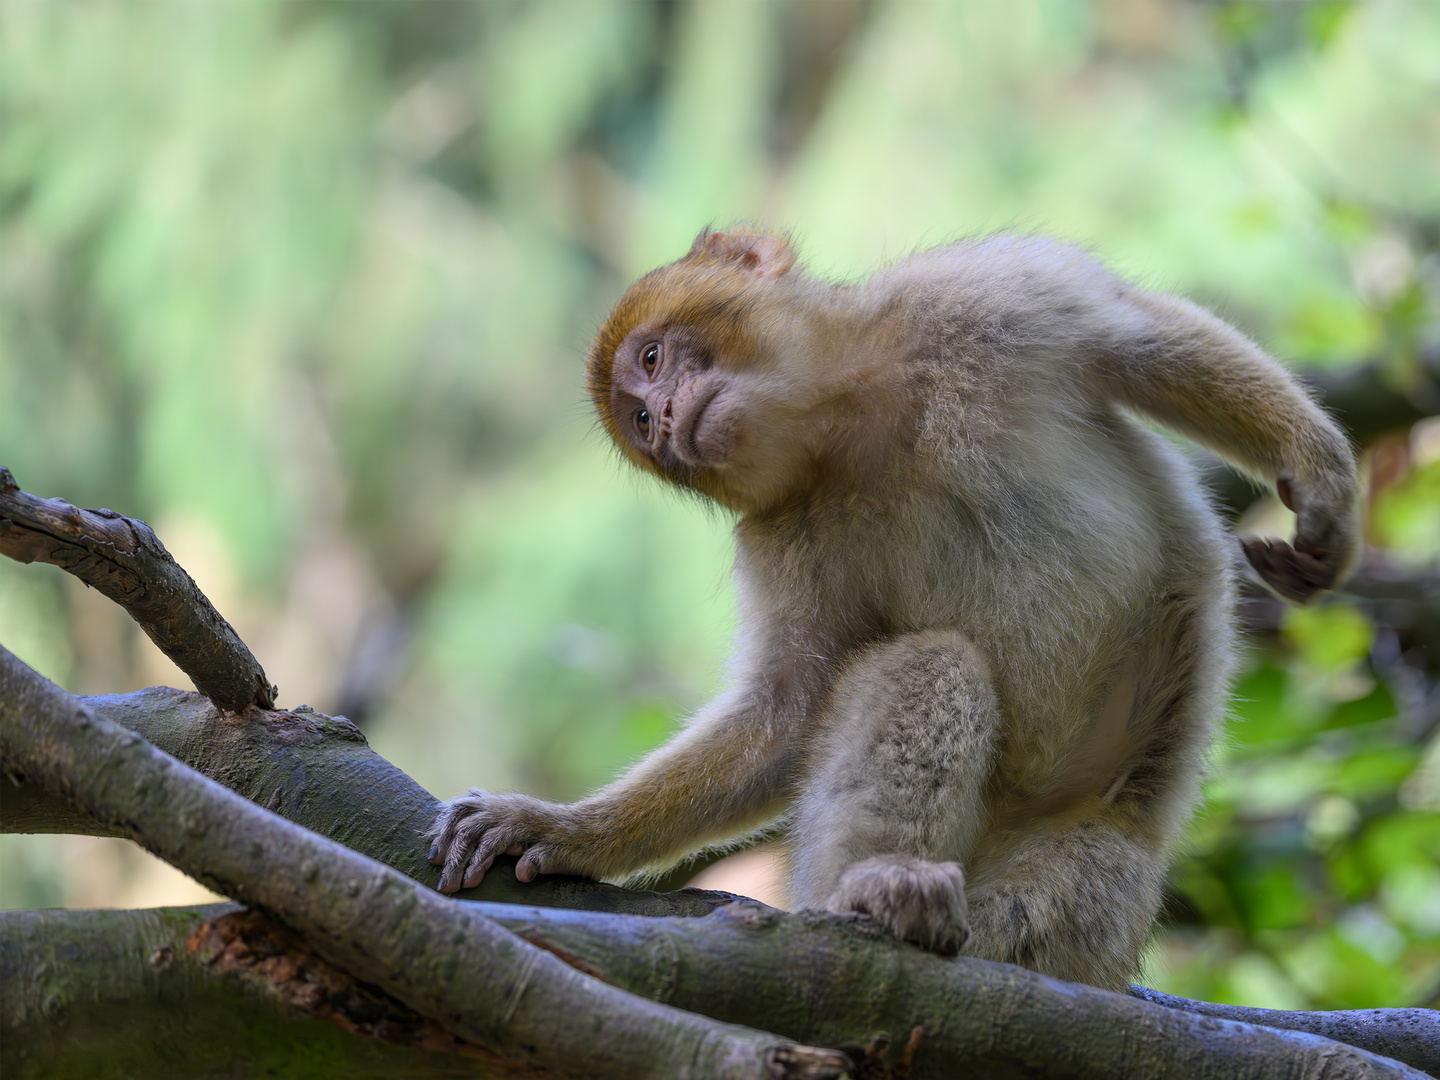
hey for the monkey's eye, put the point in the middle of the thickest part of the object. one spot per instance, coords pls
(642, 423)
(650, 357)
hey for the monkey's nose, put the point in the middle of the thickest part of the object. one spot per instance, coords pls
(668, 412)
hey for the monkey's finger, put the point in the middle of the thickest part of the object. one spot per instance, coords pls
(439, 853)
(1320, 571)
(483, 857)
(1260, 556)
(450, 878)
(1295, 575)
(515, 849)
(466, 851)
(479, 862)
(538, 859)
(464, 867)
(1268, 557)
(1306, 569)
(475, 870)
(447, 823)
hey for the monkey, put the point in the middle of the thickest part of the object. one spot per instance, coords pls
(986, 614)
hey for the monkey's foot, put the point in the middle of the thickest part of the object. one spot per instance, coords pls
(473, 829)
(919, 901)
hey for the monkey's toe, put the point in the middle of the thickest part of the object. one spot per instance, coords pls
(921, 902)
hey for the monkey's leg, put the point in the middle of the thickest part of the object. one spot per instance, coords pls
(1073, 896)
(895, 796)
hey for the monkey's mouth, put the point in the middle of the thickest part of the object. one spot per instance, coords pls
(689, 442)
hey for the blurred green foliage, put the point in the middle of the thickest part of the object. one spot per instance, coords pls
(306, 284)
(1315, 867)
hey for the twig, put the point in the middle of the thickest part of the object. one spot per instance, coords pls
(123, 559)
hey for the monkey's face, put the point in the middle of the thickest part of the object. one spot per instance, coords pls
(698, 417)
(672, 407)
(687, 373)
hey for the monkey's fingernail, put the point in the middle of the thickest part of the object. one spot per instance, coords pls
(434, 852)
(444, 885)
(515, 849)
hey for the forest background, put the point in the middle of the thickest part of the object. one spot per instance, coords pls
(307, 286)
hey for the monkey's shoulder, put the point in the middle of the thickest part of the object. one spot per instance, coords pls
(1025, 272)
(1014, 303)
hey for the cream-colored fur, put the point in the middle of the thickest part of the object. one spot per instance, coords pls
(986, 615)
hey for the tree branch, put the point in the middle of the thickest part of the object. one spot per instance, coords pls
(319, 772)
(125, 561)
(741, 963)
(1408, 1035)
(817, 978)
(437, 957)
(175, 992)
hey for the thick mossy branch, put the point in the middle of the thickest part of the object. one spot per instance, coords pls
(125, 561)
(187, 991)
(439, 958)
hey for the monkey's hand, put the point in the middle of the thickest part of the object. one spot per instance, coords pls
(919, 901)
(472, 829)
(1326, 541)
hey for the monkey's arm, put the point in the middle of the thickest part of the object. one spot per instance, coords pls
(1175, 361)
(721, 776)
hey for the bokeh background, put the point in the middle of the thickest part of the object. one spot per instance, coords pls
(307, 286)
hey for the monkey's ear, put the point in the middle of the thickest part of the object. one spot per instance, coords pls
(764, 256)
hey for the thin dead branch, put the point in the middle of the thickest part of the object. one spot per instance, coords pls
(123, 559)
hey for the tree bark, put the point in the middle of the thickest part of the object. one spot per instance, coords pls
(1408, 1035)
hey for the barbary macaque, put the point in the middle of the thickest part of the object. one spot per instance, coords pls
(986, 614)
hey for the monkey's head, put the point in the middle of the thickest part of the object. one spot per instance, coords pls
(699, 372)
